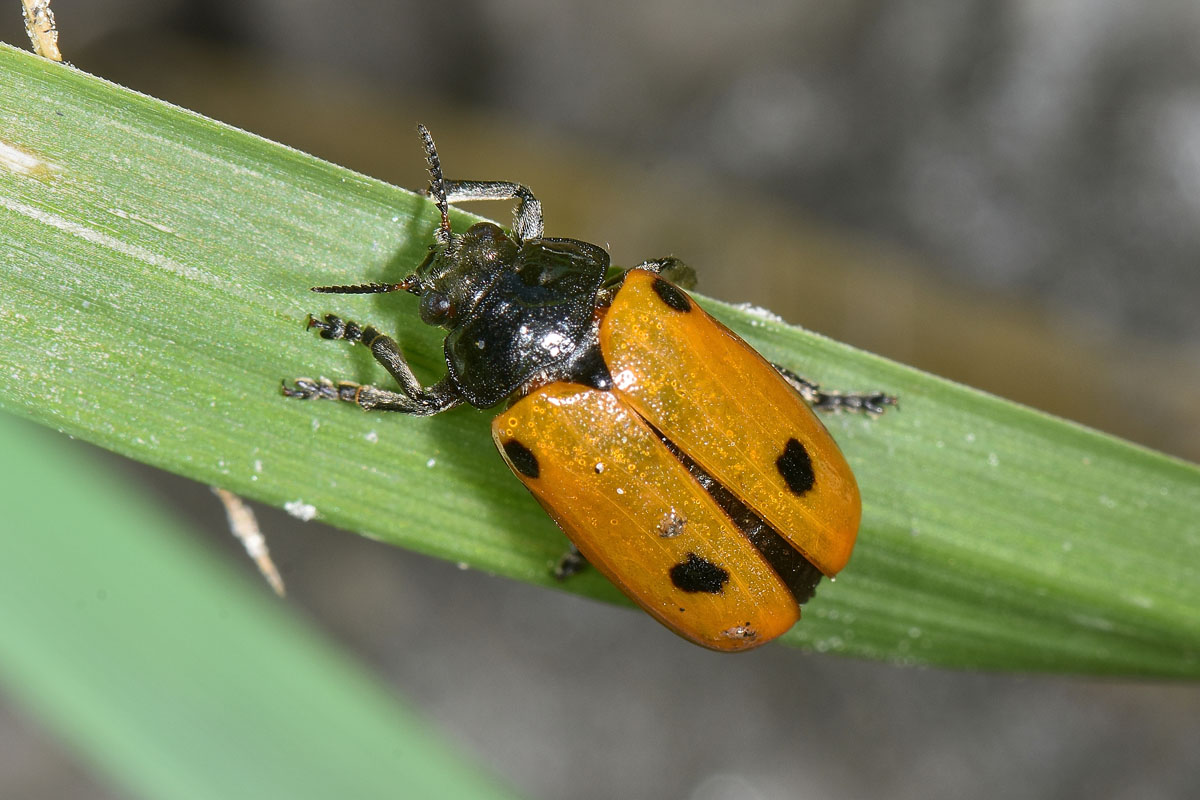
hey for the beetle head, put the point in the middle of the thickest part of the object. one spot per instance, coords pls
(459, 267)
(458, 271)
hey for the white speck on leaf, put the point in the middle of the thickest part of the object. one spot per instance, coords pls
(300, 509)
(759, 311)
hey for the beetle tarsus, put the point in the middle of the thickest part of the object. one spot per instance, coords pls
(572, 563)
(822, 400)
(334, 328)
(868, 403)
(321, 389)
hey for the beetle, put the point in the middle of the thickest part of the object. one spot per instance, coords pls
(680, 463)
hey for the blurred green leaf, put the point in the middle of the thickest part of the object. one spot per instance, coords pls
(169, 673)
(156, 271)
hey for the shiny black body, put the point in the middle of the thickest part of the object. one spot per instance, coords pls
(533, 315)
(519, 309)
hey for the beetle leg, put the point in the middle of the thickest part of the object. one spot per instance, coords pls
(673, 269)
(434, 400)
(384, 348)
(572, 563)
(413, 398)
(873, 403)
(527, 218)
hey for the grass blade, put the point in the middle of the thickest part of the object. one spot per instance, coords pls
(155, 267)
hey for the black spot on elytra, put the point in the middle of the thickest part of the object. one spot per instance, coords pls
(796, 467)
(699, 575)
(796, 571)
(522, 458)
(673, 297)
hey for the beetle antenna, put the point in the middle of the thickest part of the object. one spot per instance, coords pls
(365, 288)
(437, 185)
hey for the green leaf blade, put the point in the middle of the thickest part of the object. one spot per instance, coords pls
(155, 292)
(173, 675)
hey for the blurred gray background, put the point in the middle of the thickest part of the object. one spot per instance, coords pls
(1005, 194)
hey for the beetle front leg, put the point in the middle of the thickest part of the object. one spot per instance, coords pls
(434, 400)
(821, 400)
(382, 347)
(413, 398)
(527, 217)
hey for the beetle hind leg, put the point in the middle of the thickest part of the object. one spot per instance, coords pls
(822, 400)
(572, 563)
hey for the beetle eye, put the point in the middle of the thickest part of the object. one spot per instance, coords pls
(484, 232)
(435, 308)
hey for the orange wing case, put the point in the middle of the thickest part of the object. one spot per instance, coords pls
(729, 410)
(636, 513)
